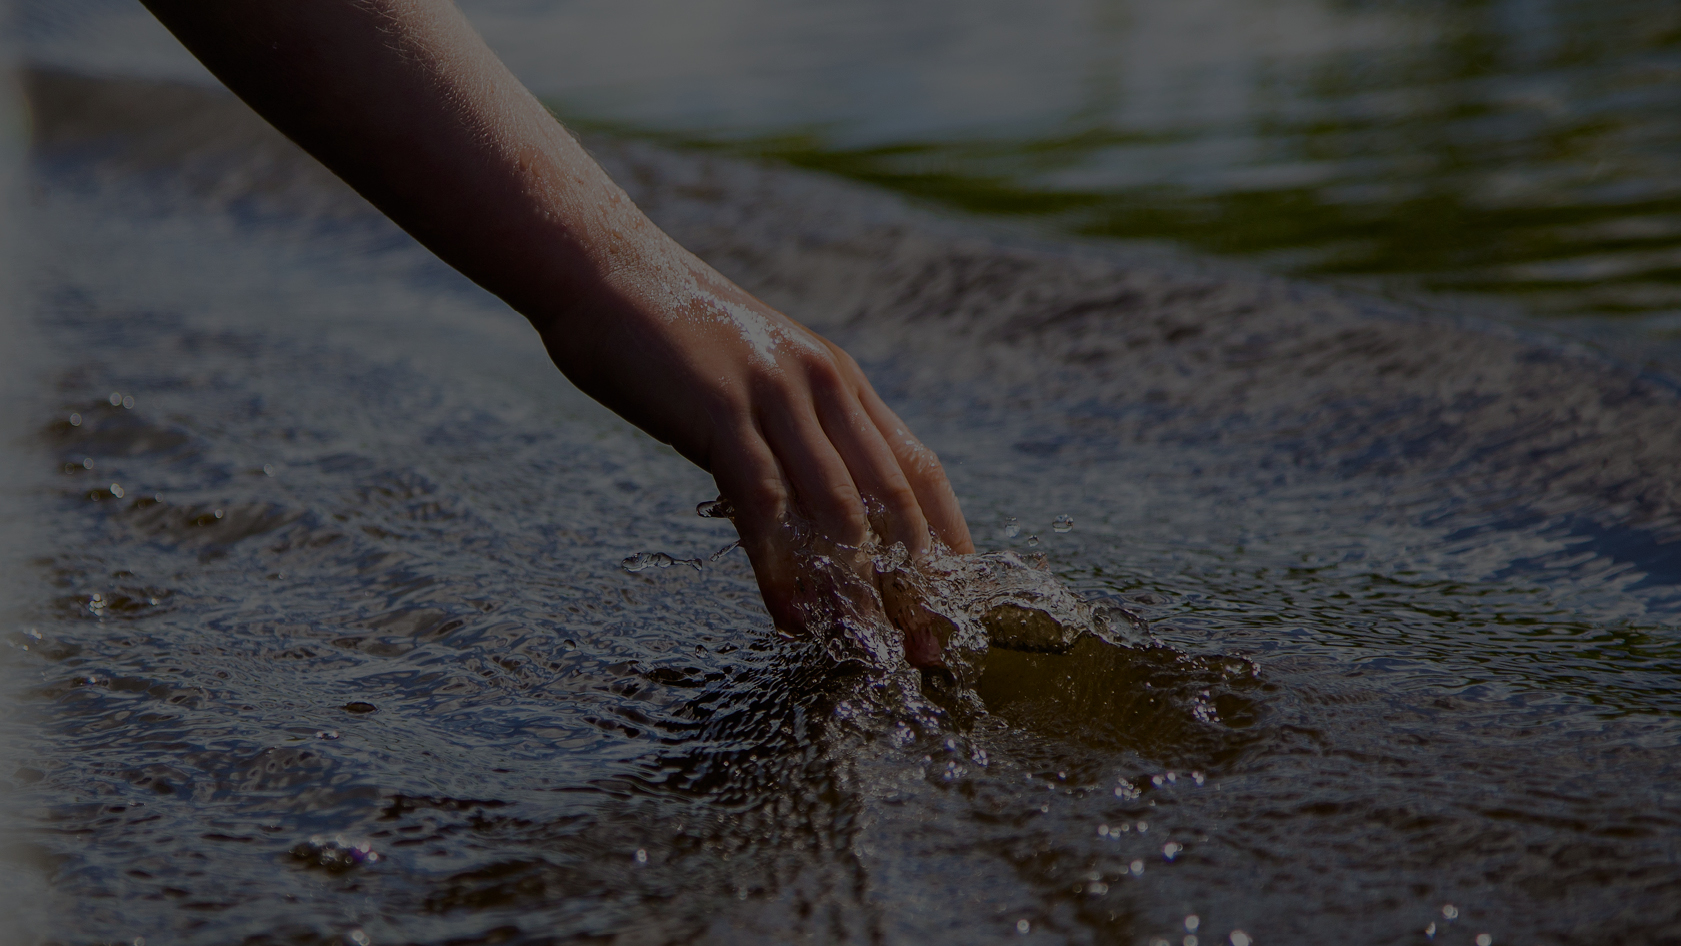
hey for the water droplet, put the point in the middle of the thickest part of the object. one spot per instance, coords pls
(359, 938)
(128, 403)
(1189, 940)
(336, 853)
(1430, 931)
(1170, 850)
(1102, 830)
(1450, 911)
(1192, 922)
(1483, 939)
(116, 491)
(1032, 541)
(75, 420)
(1022, 927)
(641, 855)
(1063, 523)
(1240, 938)
(87, 463)
(1143, 826)
(327, 734)
(719, 508)
(268, 470)
(115, 398)
(218, 513)
(1137, 868)
(1011, 529)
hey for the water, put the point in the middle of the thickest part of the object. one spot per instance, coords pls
(353, 658)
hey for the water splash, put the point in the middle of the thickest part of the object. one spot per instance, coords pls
(641, 561)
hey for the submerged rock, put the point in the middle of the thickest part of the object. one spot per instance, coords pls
(955, 607)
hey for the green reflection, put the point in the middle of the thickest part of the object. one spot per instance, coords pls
(1525, 150)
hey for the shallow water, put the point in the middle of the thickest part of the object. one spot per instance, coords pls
(352, 658)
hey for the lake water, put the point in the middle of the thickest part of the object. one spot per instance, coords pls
(314, 620)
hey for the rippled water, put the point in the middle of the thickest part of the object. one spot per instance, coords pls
(323, 636)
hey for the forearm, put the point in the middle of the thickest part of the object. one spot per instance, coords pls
(403, 100)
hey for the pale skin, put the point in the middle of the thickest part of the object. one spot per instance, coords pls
(404, 101)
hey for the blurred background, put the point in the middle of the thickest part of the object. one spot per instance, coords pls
(1525, 151)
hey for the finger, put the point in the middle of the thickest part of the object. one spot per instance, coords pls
(922, 470)
(749, 477)
(822, 483)
(873, 467)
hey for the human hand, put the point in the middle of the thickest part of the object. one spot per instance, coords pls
(785, 420)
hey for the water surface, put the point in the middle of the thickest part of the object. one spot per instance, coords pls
(318, 632)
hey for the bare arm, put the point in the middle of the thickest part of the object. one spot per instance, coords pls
(403, 100)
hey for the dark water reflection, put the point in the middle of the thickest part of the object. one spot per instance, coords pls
(344, 577)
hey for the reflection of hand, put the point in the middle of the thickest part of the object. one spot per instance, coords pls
(783, 419)
(403, 100)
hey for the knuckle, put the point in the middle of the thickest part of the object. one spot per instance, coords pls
(825, 376)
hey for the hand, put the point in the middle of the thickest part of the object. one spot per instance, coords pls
(784, 420)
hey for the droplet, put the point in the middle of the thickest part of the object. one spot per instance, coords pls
(116, 491)
(641, 855)
(1170, 850)
(1192, 922)
(1011, 529)
(1240, 938)
(1102, 830)
(1032, 541)
(1137, 868)
(1189, 940)
(719, 508)
(327, 734)
(75, 420)
(1450, 911)
(268, 470)
(336, 853)
(1483, 939)
(87, 463)
(128, 402)
(1143, 826)
(1063, 523)
(218, 513)
(115, 398)
(1430, 931)
(1022, 927)
(359, 938)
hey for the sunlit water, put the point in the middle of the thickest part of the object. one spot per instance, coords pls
(323, 632)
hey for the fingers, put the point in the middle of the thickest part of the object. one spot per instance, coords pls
(923, 473)
(815, 441)
(874, 468)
